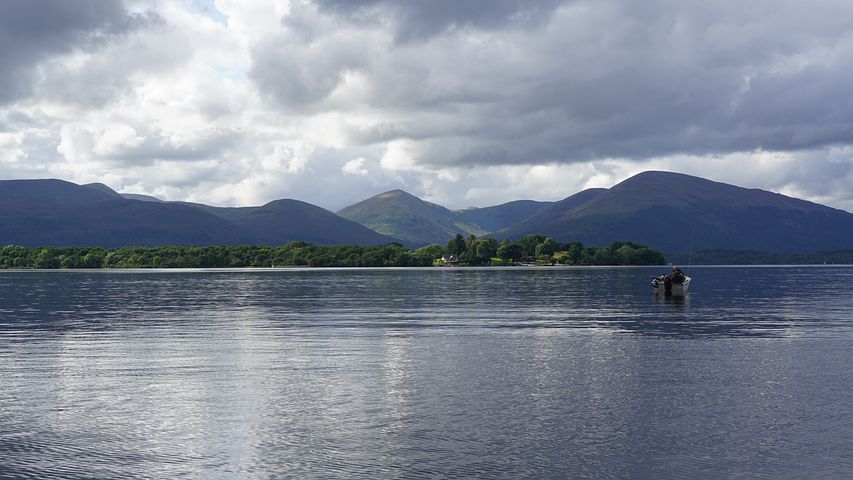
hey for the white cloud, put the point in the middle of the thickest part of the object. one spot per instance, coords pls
(332, 101)
(11, 151)
(355, 167)
(399, 157)
(115, 138)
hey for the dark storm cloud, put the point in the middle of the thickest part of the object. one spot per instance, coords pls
(419, 19)
(32, 31)
(586, 80)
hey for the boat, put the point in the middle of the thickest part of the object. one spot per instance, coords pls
(675, 284)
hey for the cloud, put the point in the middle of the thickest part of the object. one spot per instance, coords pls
(355, 167)
(594, 80)
(413, 21)
(32, 31)
(297, 75)
(124, 145)
(462, 103)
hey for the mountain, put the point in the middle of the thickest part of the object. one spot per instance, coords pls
(140, 197)
(402, 215)
(665, 210)
(492, 219)
(286, 220)
(662, 210)
(103, 188)
(59, 213)
(549, 211)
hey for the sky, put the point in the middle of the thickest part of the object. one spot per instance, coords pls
(462, 103)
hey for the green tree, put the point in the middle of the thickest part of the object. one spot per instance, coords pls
(92, 259)
(46, 258)
(429, 252)
(509, 251)
(546, 248)
(528, 244)
(486, 248)
(457, 245)
(69, 261)
(573, 253)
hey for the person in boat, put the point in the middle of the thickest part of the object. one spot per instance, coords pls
(677, 275)
(664, 281)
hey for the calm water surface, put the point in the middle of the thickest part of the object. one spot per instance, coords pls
(426, 373)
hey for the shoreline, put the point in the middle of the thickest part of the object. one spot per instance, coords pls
(435, 268)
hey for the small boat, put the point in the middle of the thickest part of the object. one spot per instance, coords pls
(671, 284)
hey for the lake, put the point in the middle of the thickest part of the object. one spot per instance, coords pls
(426, 373)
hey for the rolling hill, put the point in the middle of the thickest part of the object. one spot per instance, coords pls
(402, 215)
(286, 220)
(664, 210)
(59, 213)
(492, 219)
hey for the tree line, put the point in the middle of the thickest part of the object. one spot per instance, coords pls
(294, 254)
(467, 251)
(539, 249)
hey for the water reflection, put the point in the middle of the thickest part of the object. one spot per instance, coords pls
(766, 302)
(678, 302)
(561, 373)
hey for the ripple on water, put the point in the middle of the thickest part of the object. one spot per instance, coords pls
(560, 373)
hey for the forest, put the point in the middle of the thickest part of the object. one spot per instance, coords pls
(470, 251)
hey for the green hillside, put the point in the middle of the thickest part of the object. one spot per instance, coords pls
(401, 215)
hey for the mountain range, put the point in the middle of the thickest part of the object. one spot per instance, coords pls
(668, 211)
(402, 215)
(59, 213)
(672, 212)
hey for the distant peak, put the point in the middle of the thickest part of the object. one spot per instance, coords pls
(38, 181)
(395, 193)
(662, 179)
(662, 174)
(140, 196)
(284, 202)
(102, 188)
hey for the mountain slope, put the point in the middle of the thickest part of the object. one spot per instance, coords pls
(140, 197)
(492, 219)
(660, 209)
(103, 188)
(402, 215)
(59, 213)
(664, 210)
(549, 213)
(286, 220)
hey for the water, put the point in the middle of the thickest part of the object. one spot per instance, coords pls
(429, 373)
